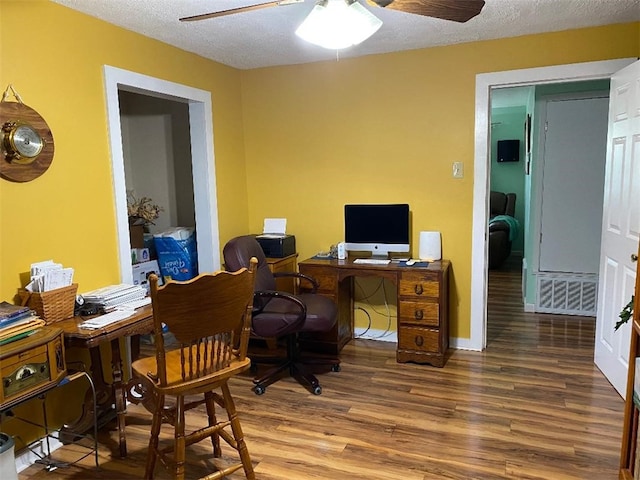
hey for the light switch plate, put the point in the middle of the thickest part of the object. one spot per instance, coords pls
(458, 170)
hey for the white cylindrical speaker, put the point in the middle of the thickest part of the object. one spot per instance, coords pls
(430, 246)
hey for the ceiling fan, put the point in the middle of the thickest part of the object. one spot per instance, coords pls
(455, 10)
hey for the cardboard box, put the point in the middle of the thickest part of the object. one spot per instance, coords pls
(136, 236)
(141, 272)
(139, 255)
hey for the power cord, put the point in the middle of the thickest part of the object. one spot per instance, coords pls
(366, 298)
(368, 325)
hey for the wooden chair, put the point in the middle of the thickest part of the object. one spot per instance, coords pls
(210, 317)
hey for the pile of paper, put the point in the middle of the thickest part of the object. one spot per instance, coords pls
(17, 322)
(49, 275)
(115, 295)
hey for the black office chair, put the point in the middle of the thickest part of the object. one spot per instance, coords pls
(283, 315)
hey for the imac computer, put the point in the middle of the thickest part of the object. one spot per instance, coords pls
(379, 229)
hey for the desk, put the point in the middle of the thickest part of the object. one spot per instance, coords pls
(423, 298)
(288, 264)
(106, 394)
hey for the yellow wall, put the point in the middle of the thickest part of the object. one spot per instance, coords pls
(387, 128)
(67, 214)
(297, 142)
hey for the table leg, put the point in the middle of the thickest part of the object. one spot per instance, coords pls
(104, 400)
(120, 394)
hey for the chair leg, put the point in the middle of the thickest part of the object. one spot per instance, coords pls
(298, 367)
(237, 432)
(302, 375)
(179, 440)
(156, 423)
(211, 413)
(269, 377)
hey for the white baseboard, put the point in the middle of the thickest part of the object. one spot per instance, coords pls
(25, 458)
(371, 334)
(530, 307)
(383, 336)
(461, 344)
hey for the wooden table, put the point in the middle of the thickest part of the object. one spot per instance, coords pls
(140, 322)
(423, 300)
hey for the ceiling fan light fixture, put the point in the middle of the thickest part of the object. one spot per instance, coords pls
(337, 24)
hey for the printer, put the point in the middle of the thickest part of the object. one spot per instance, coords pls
(277, 245)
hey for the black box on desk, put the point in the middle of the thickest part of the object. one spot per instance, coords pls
(277, 246)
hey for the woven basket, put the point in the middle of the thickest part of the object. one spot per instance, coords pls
(52, 306)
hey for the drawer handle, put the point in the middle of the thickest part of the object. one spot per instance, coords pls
(419, 340)
(418, 289)
(419, 314)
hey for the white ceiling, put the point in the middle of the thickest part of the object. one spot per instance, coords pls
(265, 37)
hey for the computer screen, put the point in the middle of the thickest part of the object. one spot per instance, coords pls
(377, 228)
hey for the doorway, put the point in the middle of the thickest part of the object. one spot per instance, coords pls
(202, 154)
(157, 157)
(484, 84)
(558, 186)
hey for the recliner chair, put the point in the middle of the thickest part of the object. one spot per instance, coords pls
(279, 314)
(501, 231)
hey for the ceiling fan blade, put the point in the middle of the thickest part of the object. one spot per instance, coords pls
(232, 11)
(455, 10)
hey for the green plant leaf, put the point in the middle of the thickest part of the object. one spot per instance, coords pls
(625, 314)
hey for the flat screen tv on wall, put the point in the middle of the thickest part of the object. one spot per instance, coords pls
(508, 151)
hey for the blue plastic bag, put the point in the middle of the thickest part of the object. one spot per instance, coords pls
(178, 259)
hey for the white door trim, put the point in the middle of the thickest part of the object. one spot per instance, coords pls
(202, 154)
(484, 83)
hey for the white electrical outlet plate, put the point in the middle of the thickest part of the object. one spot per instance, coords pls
(458, 170)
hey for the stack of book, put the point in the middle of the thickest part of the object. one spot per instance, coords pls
(17, 322)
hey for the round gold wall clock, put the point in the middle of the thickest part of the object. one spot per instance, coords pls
(26, 142)
(22, 142)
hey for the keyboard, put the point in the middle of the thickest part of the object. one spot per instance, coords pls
(372, 261)
(107, 318)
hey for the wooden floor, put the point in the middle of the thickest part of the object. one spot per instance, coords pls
(532, 406)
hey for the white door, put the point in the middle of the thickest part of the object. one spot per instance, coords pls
(620, 225)
(575, 137)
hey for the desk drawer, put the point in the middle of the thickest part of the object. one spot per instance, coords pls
(419, 313)
(327, 282)
(421, 284)
(418, 339)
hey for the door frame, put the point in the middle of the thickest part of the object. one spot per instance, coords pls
(202, 157)
(482, 158)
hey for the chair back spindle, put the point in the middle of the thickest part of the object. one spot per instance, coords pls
(208, 320)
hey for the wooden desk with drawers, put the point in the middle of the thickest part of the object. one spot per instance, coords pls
(423, 298)
(288, 264)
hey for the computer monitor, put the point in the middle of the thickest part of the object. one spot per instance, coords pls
(377, 228)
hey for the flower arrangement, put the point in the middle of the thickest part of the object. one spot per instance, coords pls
(142, 211)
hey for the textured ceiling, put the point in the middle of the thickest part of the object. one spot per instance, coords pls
(266, 37)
